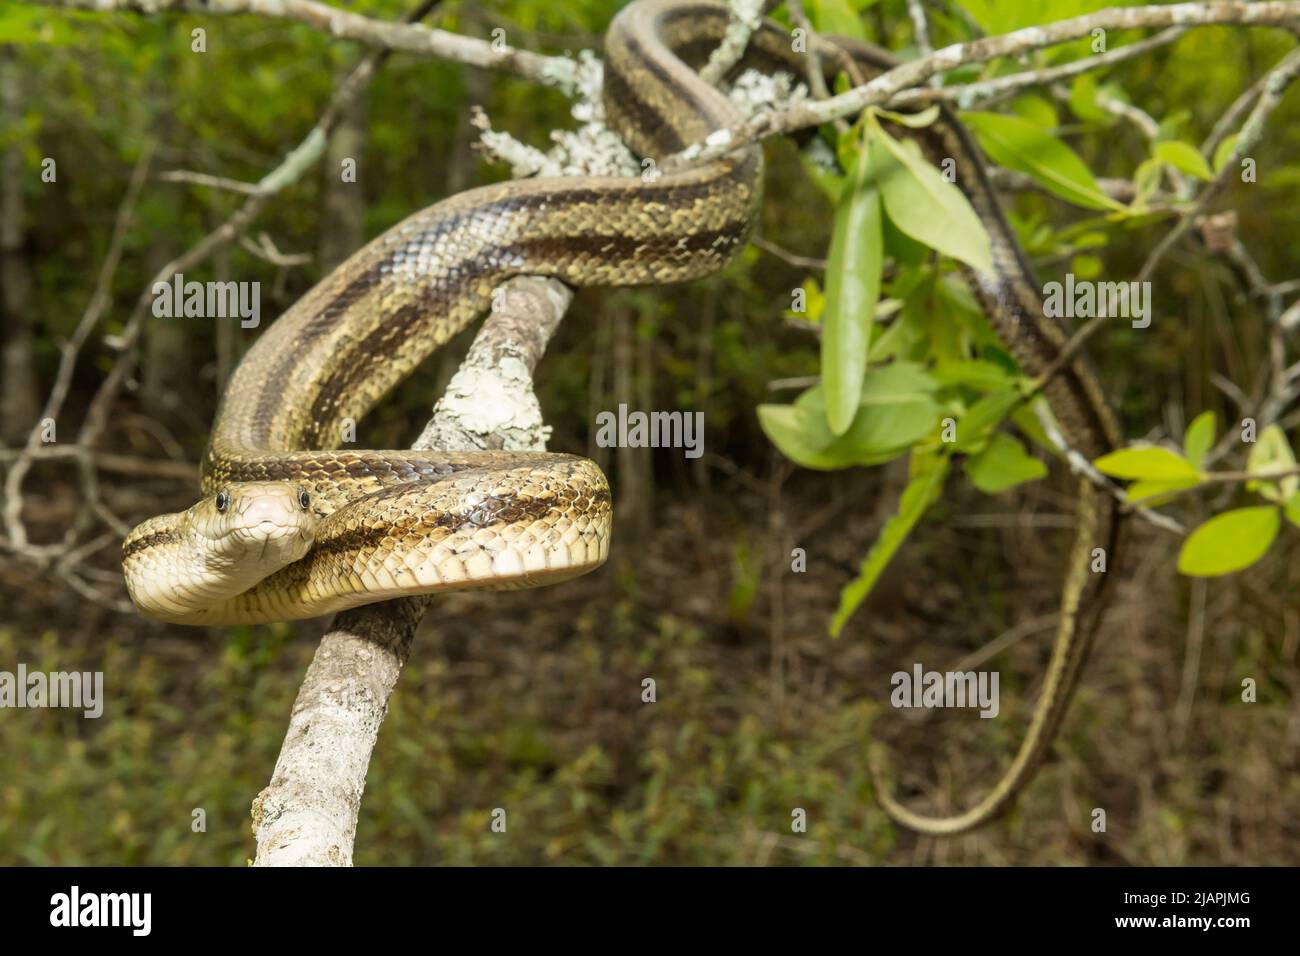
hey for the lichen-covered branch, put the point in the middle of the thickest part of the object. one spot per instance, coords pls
(307, 816)
(746, 17)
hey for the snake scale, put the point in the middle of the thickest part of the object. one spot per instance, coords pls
(290, 527)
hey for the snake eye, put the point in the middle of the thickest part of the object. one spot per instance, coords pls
(304, 500)
(223, 502)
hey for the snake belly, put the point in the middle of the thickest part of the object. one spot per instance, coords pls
(395, 523)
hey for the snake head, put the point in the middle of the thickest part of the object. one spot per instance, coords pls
(177, 565)
(256, 527)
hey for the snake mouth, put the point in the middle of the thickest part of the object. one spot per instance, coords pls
(264, 530)
(270, 542)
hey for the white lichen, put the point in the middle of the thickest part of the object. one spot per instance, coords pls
(755, 92)
(746, 17)
(593, 149)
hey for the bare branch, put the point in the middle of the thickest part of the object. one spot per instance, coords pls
(95, 309)
(816, 76)
(1276, 83)
(382, 34)
(214, 182)
(916, 10)
(793, 258)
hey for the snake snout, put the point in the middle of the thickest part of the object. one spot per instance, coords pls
(266, 512)
(268, 517)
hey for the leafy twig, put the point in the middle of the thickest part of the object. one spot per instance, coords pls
(1276, 83)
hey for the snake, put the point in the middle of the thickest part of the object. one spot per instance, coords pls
(292, 525)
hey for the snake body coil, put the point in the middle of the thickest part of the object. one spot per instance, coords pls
(291, 529)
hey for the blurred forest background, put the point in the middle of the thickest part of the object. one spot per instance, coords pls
(531, 700)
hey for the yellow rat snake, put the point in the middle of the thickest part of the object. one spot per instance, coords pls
(291, 529)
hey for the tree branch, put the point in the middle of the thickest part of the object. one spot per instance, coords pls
(384, 34)
(966, 95)
(883, 88)
(1275, 84)
(307, 816)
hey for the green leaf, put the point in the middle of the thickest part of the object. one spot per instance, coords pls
(905, 250)
(1272, 453)
(1153, 493)
(1292, 510)
(927, 207)
(796, 435)
(1002, 16)
(1087, 267)
(1146, 464)
(910, 120)
(979, 374)
(829, 182)
(1171, 124)
(974, 427)
(1027, 421)
(1199, 438)
(837, 17)
(928, 472)
(1003, 464)
(1021, 145)
(813, 300)
(25, 25)
(1183, 157)
(853, 270)
(1037, 110)
(897, 410)
(1146, 180)
(945, 333)
(983, 12)
(1224, 151)
(898, 383)
(1229, 542)
(1090, 240)
(1083, 100)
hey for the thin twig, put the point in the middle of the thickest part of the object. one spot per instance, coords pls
(215, 182)
(921, 28)
(1080, 465)
(98, 304)
(1277, 81)
(967, 95)
(816, 76)
(802, 262)
(406, 37)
